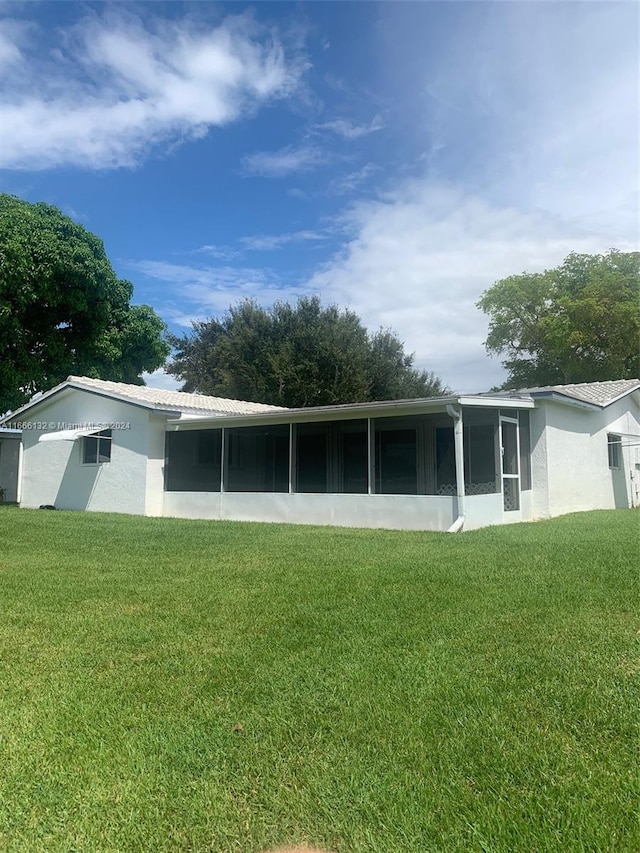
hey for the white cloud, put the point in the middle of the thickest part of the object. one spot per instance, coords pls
(345, 184)
(285, 161)
(267, 242)
(348, 130)
(222, 253)
(13, 35)
(119, 85)
(160, 379)
(530, 117)
(205, 291)
(421, 258)
(531, 123)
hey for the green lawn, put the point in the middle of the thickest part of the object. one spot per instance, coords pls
(173, 685)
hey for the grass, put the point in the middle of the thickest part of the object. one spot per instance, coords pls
(172, 685)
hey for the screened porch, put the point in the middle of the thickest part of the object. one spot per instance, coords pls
(392, 455)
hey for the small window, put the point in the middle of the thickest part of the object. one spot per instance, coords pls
(615, 451)
(96, 448)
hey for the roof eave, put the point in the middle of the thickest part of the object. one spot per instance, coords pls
(352, 411)
(565, 400)
(634, 392)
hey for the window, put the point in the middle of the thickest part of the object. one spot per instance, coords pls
(396, 457)
(354, 458)
(96, 448)
(332, 457)
(479, 459)
(192, 461)
(614, 443)
(257, 459)
(445, 459)
(312, 463)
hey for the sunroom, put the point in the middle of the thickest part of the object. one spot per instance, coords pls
(353, 465)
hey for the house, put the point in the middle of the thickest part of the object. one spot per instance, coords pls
(461, 461)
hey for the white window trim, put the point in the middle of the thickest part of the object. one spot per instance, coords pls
(614, 441)
(100, 437)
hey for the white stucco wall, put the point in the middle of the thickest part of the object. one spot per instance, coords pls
(154, 493)
(539, 500)
(53, 473)
(577, 462)
(484, 510)
(394, 512)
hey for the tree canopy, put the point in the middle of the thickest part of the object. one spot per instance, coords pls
(62, 308)
(300, 355)
(579, 322)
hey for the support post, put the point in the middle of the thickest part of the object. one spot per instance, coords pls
(458, 436)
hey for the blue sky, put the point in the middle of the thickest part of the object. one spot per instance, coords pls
(396, 158)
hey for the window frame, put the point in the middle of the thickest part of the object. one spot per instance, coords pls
(257, 451)
(196, 449)
(104, 438)
(334, 468)
(614, 451)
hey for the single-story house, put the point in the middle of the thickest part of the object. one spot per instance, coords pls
(448, 463)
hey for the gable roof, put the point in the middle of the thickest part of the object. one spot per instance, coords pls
(152, 398)
(588, 395)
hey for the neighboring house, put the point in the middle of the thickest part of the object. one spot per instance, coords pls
(9, 464)
(461, 461)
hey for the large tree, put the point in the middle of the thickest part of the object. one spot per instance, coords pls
(579, 322)
(62, 308)
(297, 355)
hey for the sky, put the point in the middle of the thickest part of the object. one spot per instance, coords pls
(395, 158)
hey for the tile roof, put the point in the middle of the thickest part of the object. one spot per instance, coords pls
(598, 393)
(178, 401)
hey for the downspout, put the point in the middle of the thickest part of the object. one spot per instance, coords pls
(456, 414)
(20, 467)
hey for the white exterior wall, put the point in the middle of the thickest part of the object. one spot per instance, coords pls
(577, 461)
(53, 473)
(394, 512)
(485, 510)
(539, 502)
(154, 492)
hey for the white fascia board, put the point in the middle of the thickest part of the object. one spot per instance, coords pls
(635, 396)
(353, 411)
(348, 411)
(196, 417)
(564, 400)
(498, 402)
